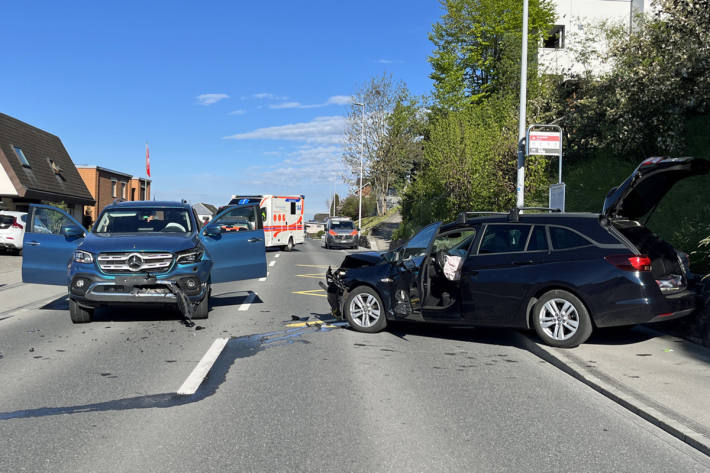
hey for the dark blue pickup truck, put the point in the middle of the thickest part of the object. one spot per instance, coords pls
(142, 253)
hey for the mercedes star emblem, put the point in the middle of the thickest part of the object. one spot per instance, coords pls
(135, 262)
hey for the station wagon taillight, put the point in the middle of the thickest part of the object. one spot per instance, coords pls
(630, 262)
(17, 224)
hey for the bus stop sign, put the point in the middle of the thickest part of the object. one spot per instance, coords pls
(547, 143)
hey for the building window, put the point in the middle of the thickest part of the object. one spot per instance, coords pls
(123, 190)
(142, 191)
(21, 156)
(555, 38)
(114, 193)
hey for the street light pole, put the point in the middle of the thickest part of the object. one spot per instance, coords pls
(520, 185)
(362, 153)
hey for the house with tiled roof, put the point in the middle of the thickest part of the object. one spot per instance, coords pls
(36, 168)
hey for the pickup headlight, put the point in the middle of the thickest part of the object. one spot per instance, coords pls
(190, 256)
(81, 256)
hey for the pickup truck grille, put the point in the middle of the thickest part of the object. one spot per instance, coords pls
(114, 263)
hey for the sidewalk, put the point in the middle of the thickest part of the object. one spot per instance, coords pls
(662, 378)
(381, 235)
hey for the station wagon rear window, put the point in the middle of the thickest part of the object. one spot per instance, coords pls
(564, 238)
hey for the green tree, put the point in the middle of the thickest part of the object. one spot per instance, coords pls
(477, 47)
(391, 124)
(660, 76)
(470, 164)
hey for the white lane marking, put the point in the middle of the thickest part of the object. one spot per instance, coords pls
(247, 302)
(264, 278)
(272, 263)
(277, 255)
(195, 378)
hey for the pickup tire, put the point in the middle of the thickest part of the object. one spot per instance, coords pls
(78, 314)
(203, 308)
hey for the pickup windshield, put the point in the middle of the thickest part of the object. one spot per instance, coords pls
(144, 220)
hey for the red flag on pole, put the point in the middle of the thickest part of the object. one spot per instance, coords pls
(147, 160)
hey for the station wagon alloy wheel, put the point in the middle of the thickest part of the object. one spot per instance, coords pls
(364, 310)
(559, 319)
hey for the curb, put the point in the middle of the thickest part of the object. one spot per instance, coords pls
(683, 433)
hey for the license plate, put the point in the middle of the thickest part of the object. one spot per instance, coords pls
(134, 280)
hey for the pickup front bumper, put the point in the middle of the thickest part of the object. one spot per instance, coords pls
(90, 290)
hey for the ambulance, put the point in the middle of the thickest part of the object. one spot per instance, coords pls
(282, 217)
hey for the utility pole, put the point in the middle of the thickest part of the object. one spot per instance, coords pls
(362, 153)
(520, 185)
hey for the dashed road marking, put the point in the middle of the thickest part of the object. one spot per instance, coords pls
(311, 275)
(277, 255)
(247, 302)
(272, 263)
(264, 278)
(312, 292)
(198, 374)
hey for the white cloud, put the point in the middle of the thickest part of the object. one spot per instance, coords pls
(209, 99)
(334, 100)
(307, 165)
(327, 130)
(264, 96)
(237, 112)
(340, 100)
(389, 61)
(287, 105)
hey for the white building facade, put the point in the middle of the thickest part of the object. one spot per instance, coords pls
(575, 24)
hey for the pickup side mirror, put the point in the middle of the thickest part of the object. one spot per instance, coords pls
(72, 231)
(212, 230)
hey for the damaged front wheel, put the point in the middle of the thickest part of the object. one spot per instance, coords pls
(203, 308)
(364, 310)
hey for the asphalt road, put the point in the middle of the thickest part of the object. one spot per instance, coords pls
(102, 396)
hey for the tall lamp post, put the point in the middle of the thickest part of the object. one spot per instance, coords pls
(520, 186)
(362, 153)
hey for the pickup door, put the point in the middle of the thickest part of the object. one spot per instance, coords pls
(234, 239)
(51, 236)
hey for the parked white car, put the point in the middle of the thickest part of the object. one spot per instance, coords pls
(12, 230)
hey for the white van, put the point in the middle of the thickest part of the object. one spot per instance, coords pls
(282, 218)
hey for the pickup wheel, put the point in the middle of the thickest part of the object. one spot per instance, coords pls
(203, 308)
(78, 314)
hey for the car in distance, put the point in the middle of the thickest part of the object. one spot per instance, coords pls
(561, 274)
(142, 253)
(340, 232)
(12, 230)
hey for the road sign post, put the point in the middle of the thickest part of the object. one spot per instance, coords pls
(546, 140)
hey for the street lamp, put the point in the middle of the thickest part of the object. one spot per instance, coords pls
(362, 153)
(520, 184)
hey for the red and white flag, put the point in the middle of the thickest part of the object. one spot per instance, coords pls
(147, 160)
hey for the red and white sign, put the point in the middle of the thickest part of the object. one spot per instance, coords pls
(545, 143)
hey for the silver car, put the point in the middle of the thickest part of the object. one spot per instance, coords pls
(341, 233)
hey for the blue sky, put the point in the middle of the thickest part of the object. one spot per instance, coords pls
(233, 97)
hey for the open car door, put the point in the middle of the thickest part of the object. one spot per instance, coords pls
(234, 239)
(51, 236)
(412, 256)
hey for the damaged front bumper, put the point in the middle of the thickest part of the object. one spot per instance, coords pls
(91, 290)
(336, 292)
